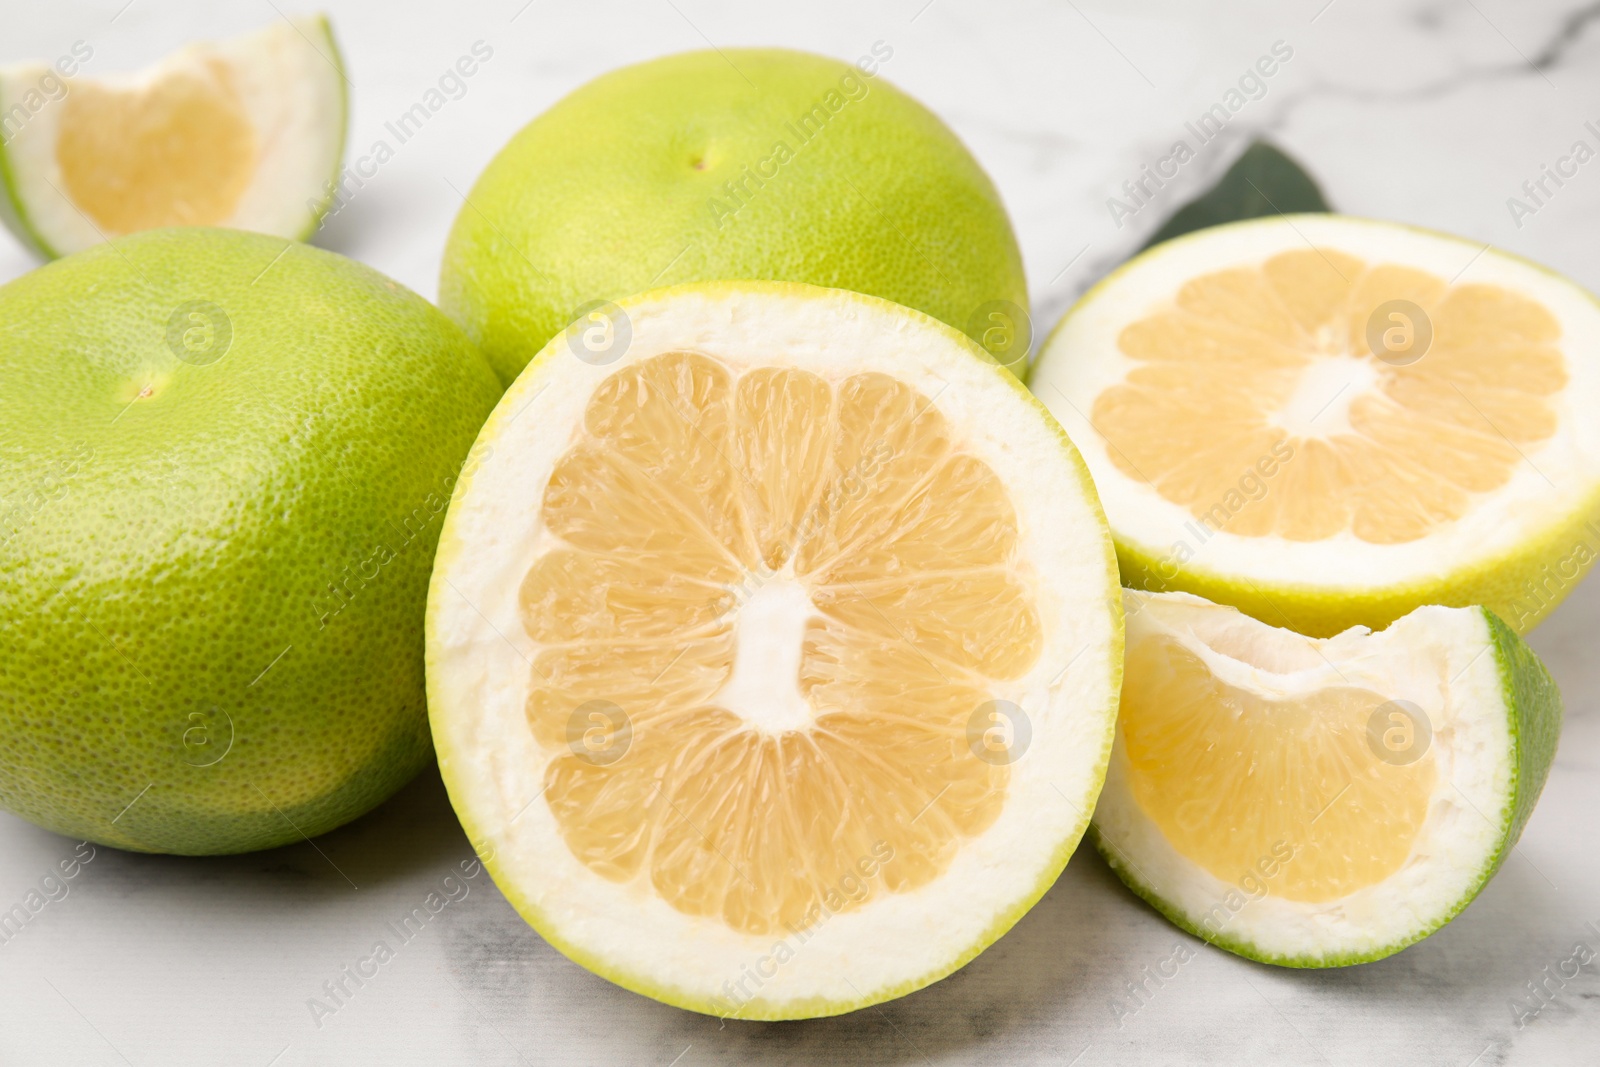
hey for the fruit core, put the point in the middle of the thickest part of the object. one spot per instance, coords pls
(769, 636)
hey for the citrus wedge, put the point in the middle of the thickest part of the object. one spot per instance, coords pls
(246, 133)
(1329, 421)
(773, 648)
(1314, 803)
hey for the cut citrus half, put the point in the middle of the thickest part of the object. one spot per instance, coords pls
(1314, 803)
(773, 648)
(246, 133)
(1328, 421)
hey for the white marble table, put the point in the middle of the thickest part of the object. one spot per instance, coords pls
(1429, 112)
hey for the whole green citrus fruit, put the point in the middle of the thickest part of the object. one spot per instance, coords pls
(224, 459)
(745, 163)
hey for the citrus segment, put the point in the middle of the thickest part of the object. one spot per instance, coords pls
(1296, 770)
(185, 150)
(775, 599)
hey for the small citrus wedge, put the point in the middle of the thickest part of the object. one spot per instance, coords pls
(1313, 803)
(246, 133)
(773, 648)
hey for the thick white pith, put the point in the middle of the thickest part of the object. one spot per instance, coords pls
(1441, 659)
(769, 630)
(1558, 476)
(479, 665)
(1320, 406)
(291, 88)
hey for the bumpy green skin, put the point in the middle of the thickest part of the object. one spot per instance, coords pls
(625, 185)
(1532, 712)
(179, 673)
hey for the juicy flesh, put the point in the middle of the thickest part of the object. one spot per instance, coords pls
(178, 152)
(1277, 795)
(1219, 414)
(834, 537)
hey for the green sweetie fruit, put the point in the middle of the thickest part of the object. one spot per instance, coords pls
(741, 164)
(1315, 803)
(224, 459)
(729, 643)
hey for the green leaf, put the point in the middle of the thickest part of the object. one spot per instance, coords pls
(1263, 181)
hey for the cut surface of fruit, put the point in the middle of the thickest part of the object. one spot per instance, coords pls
(246, 133)
(1320, 802)
(889, 623)
(1329, 421)
(790, 634)
(1196, 745)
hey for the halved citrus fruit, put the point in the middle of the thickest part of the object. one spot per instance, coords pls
(1329, 421)
(773, 648)
(246, 133)
(1313, 803)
